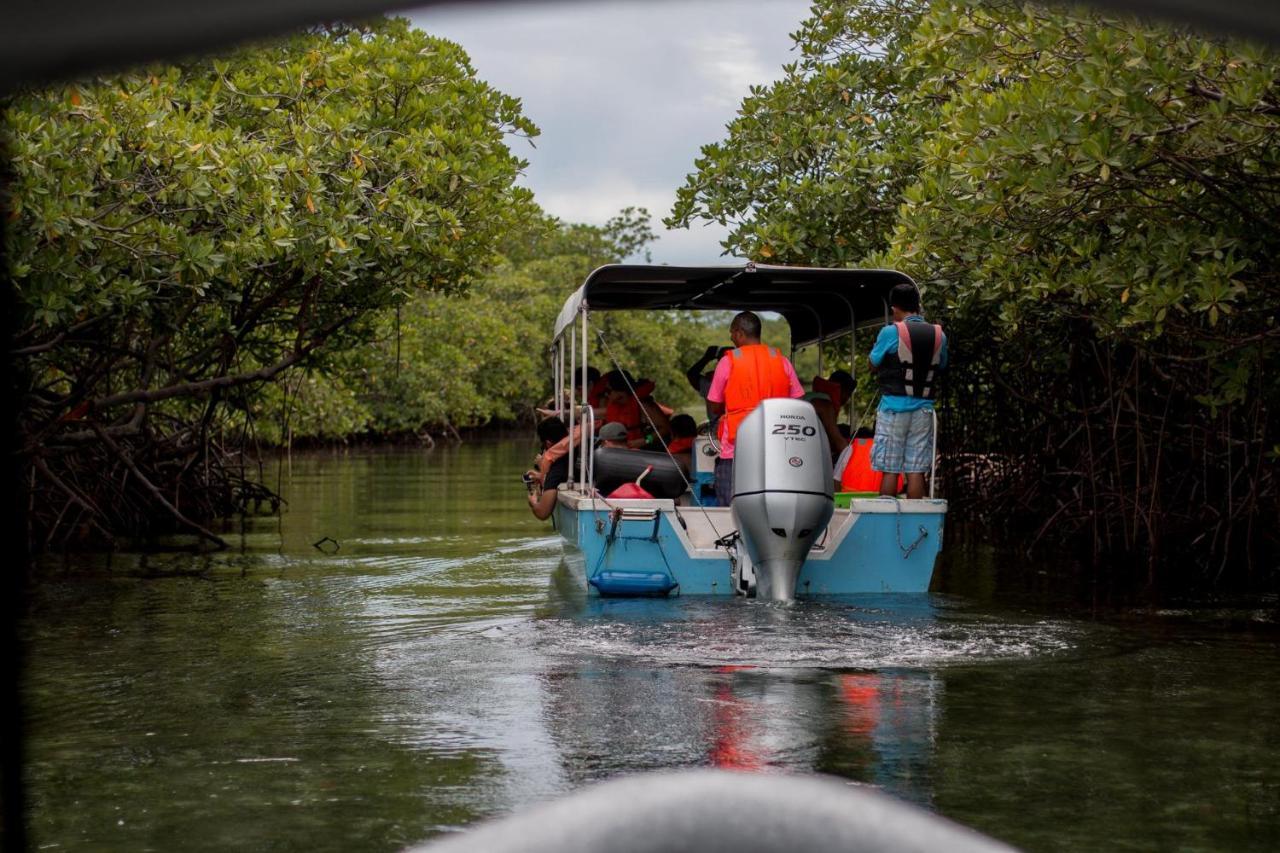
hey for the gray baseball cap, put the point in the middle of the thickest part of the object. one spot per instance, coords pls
(612, 431)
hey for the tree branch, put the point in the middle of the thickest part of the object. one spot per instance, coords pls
(206, 386)
(127, 459)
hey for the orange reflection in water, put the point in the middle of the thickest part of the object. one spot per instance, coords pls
(731, 745)
(860, 696)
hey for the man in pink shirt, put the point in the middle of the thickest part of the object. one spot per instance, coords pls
(746, 375)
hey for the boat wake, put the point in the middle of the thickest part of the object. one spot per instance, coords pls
(860, 632)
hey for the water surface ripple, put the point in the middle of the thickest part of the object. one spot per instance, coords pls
(438, 662)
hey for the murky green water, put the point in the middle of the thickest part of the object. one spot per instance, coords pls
(444, 666)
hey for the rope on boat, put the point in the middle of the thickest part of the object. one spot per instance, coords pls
(906, 550)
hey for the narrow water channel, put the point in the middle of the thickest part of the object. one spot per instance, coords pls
(438, 663)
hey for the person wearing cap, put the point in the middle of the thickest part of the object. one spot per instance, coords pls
(751, 372)
(613, 434)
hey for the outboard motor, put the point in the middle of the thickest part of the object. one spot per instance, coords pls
(781, 491)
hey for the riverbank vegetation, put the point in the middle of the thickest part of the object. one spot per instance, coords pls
(182, 236)
(323, 238)
(442, 362)
(318, 238)
(1092, 207)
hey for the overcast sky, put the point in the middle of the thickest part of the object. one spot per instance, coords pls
(625, 93)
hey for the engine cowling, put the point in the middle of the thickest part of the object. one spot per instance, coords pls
(782, 485)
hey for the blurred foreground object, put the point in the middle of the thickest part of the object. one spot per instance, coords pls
(712, 810)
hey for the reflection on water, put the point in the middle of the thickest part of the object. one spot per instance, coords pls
(443, 664)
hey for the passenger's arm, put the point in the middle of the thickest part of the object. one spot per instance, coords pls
(885, 341)
(715, 394)
(827, 415)
(694, 373)
(660, 420)
(543, 504)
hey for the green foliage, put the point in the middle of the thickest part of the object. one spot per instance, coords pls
(470, 360)
(243, 208)
(814, 163)
(1123, 173)
(181, 234)
(1092, 206)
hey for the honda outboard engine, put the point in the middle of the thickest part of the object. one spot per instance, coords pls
(781, 491)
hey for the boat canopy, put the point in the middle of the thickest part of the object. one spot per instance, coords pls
(819, 303)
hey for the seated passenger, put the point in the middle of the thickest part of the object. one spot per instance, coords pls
(853, 471)
(599, 384)
(839, 387)
(630, 402)
(543, 486)
(613, 434)
(684, 429)
(826, 413)
(571, 398)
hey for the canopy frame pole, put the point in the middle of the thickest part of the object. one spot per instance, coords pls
(573, 361)
(585, 436)
(818, 318)
(560, 377)
(853, 358)
(933, 459)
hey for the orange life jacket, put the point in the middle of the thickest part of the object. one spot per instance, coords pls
(831, 389)
(597, 390)
(858, 474)
(680, 445)
(756, 373)
(628, 412)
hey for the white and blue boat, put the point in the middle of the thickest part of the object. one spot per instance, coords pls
(675, 544)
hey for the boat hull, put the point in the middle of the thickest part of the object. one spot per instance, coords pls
(876, 545)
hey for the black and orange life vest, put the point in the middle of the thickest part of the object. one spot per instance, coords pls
(910, 370)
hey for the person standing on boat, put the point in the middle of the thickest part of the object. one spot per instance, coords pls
(542, 487)
(748, 374)
(907, 356)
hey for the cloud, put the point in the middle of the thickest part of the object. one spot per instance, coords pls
(625, 94)
(730, 65)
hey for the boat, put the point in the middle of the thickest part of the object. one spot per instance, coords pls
(826, 544)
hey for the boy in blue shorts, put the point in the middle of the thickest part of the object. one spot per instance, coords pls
(907, 357)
